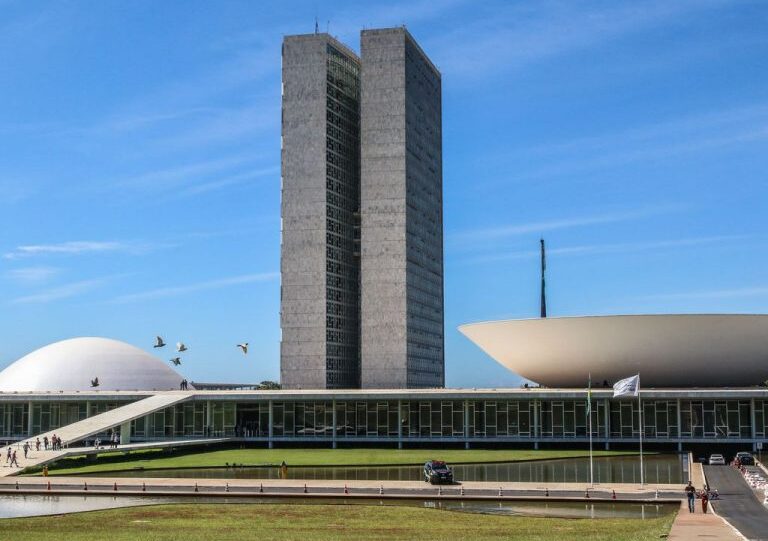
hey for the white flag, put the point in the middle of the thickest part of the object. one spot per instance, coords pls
(627, 386)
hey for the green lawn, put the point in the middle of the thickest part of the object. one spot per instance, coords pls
(223, 522)
(107, 462)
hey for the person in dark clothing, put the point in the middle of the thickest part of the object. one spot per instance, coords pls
(690, 493)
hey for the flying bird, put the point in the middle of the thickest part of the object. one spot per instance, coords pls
(244, 347)
(159, 342)
(95, 382)
(180, 347)
(176, 361)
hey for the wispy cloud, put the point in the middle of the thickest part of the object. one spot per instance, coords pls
(710, 130)
(80, 248)
(61, 292)
(504, 231)
(736, 293)
(227, 181)
(512, 35)
(172, 177)
(32, 275)
(595, 249)
(200, 286)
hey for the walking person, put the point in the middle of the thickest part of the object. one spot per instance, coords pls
(26, 449)
(8, 458)
(45, 442)
(37, 444)
(690, 493)
(704, 501)
(14, 460)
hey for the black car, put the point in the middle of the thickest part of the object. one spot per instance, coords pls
(437, 471)
(745, 459)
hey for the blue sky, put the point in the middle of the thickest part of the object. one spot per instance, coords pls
(139, 166)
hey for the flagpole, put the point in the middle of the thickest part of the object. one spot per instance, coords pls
(589, 418)
(640, 416)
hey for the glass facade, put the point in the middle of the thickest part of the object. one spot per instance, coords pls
(475, 420)
(342, 170)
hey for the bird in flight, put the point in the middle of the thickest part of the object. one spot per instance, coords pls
(159, 342)
(95, 382)
(180, 347)
(244, 347)
(176, 361)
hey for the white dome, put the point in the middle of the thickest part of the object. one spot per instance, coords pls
(70, 365)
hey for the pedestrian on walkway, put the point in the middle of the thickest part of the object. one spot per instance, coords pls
(690, 492)
(37, 444)
(14, 461)
(704, 501)
(26, 448)
(8, 458)
(45, 442)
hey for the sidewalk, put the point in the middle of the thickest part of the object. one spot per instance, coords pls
(689, 526)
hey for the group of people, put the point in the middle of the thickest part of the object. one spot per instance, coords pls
(112, 442)
(55, 443)
(704, 495)
(11, 457)
(184, 385)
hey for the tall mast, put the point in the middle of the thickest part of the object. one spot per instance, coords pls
(543, 283)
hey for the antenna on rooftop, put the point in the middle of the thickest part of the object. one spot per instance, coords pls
(543, 283)
(316, 29)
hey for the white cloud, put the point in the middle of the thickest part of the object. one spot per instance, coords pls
(82, 248)
(200, 286)
(497, 232)
(32, 275)
(61, 292)
(754, 291)
(595, 249)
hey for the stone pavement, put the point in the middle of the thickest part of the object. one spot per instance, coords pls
(39, 458)
(691, 526)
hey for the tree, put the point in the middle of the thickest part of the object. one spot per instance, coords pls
(267, 385)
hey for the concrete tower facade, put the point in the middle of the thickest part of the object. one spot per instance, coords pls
(362, 246)
(319, 256)
(401, 214)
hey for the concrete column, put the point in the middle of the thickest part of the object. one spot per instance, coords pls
(333, 433)
(271, 423)
(125, 433)
(752, 424)
(679, 428)
(535, 424)
(208, 419)
(29, 419)
(466, 424)
(607, 423)
(399, 424)
(87, 408)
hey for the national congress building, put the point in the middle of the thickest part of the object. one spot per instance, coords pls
(362, 224)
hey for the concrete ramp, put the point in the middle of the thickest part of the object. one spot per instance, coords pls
(86, 428)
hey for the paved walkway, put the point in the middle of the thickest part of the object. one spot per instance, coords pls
(336, 489)
(738, 503)
(39, 458)
(691, 526)
(98, 424)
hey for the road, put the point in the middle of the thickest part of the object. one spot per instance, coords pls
(738, 504)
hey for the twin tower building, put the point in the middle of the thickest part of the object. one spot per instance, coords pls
(362, 221)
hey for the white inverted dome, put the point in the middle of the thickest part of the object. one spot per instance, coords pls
(70, 365)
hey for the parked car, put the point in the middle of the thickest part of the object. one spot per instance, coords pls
(716, 460)
(745, 459)
(437, 471)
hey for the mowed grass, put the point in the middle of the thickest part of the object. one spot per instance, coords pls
(107, 462)
(223, 522)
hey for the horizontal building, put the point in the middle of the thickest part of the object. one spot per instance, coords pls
(403, 417)
(52, 389)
